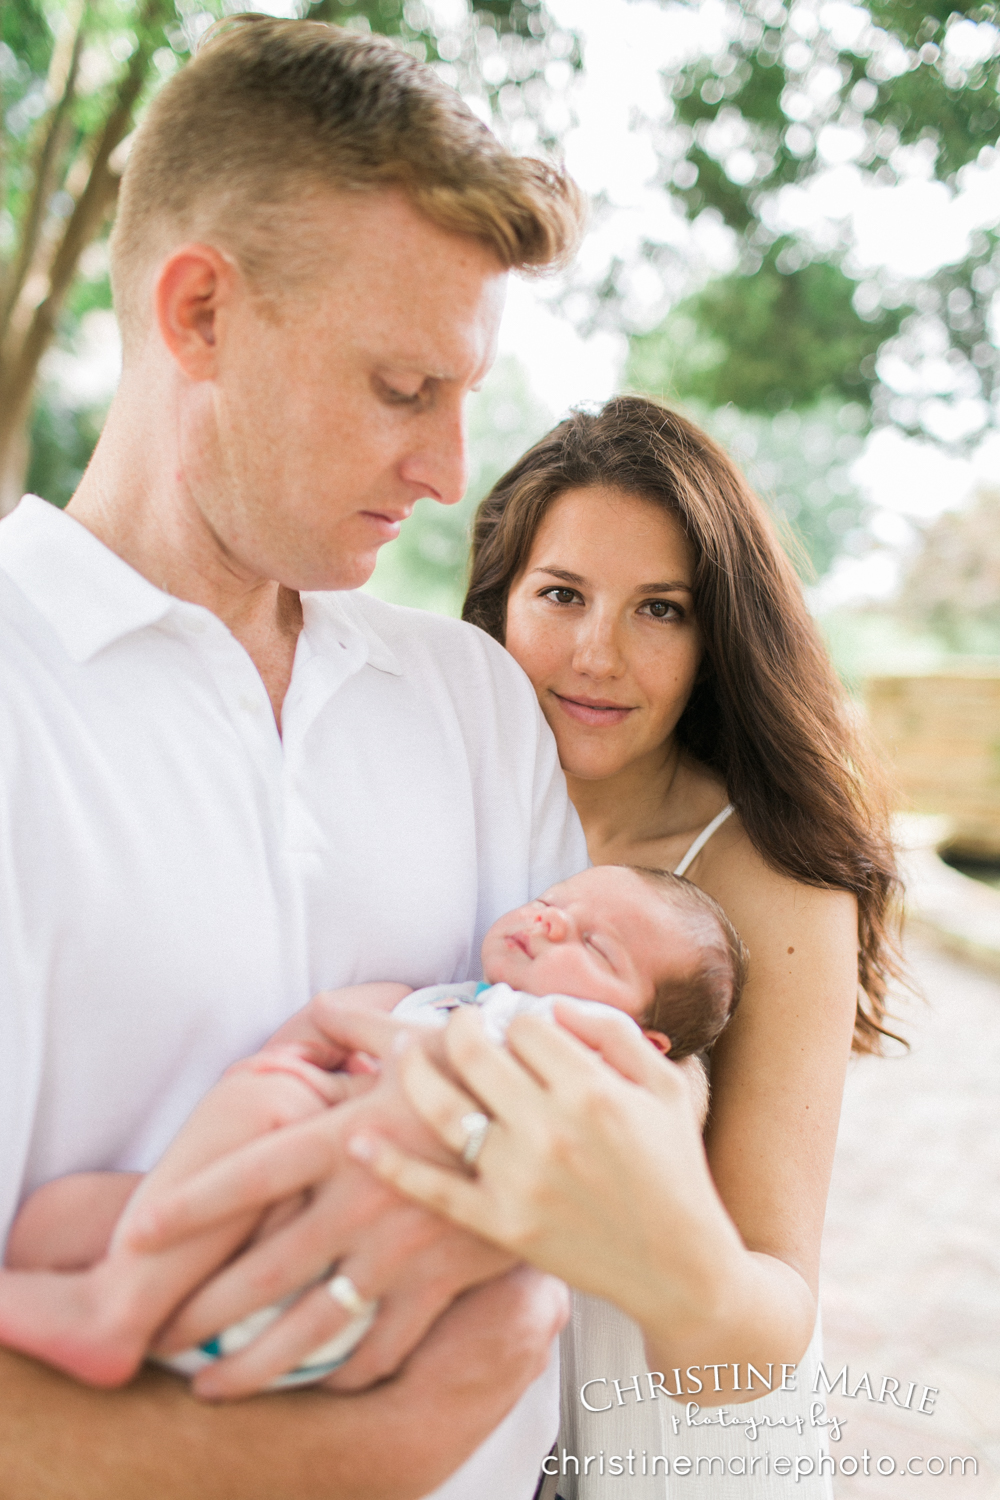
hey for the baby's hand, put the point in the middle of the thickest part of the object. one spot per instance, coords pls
(309, 1028)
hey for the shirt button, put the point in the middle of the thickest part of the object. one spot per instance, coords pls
(251, 705)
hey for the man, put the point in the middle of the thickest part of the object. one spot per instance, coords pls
(226, 787)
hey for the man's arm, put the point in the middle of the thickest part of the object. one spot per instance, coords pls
(153, 1441)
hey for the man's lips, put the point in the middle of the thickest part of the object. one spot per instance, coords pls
(600, 712)
(387, 522)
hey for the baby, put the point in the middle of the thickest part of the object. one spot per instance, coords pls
(642, 941)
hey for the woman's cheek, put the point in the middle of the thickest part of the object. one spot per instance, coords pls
(539, 657)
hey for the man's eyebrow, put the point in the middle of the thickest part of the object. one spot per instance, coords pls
(643, 588)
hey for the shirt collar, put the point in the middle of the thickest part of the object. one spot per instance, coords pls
(332, 623)
(91, 597)
(85, 592)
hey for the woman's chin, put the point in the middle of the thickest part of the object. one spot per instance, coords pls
(592, 767)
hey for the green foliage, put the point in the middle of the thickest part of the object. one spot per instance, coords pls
(794, 88)
(775, 339)
(799, 462)
(524, 18)
(898, 80)
(499, 52)
(62, 440)
(795, 329)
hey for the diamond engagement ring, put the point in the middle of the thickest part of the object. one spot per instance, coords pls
(343, 1290)
(475, 1126)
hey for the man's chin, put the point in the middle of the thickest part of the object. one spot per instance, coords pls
(335, 575)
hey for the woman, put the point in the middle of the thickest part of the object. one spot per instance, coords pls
(627, 567)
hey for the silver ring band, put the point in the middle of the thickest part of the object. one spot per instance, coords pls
(343, 1291)
(476, 1127)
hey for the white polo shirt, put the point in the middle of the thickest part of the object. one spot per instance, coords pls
(176, 879)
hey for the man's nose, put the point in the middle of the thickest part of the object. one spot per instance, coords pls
(440, 465)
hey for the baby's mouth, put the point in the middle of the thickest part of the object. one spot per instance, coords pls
(518, 940)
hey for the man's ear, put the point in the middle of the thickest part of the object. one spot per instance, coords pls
(193, 284)
(659, 1040)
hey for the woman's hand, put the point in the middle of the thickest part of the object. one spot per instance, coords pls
(592, 1168)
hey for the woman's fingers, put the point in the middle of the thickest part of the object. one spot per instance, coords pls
(449, 1193)
(439, 1102)
(496, 1078)
(625, 1048)
(555, 1052)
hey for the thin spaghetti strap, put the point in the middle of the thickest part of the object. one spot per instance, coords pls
(703, 838)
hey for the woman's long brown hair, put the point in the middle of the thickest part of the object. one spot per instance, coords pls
(767, 714)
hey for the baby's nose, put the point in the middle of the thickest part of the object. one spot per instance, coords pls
(556, 924)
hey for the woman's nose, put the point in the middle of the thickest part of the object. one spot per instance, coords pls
(597, 652)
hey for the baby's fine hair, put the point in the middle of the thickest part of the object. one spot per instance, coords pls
(692, 1009)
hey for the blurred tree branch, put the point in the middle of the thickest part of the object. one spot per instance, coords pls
(65, 190)
(894, 89)
(71, 95)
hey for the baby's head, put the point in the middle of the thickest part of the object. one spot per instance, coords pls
(642, 940)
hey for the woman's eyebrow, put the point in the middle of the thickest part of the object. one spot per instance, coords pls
(643, 588)
(562, 573)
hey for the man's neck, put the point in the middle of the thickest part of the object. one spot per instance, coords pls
(132, 498)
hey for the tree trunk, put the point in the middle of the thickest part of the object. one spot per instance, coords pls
(31, 319)
(14, 458)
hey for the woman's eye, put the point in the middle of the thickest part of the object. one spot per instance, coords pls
(663, 609)
(561, 596)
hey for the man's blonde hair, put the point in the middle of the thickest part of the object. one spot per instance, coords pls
(270, 113)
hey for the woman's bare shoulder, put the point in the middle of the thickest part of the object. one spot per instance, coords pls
(760, 900)
(777, 1069)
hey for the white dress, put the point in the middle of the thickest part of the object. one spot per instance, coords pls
(735, 1461)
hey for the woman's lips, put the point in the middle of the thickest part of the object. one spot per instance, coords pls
(593, 711)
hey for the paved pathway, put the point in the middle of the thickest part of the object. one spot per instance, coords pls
(911, 1261)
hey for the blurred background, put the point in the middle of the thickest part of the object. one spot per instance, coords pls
(795, 237)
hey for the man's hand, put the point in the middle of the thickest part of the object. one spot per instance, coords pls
(408, 1259)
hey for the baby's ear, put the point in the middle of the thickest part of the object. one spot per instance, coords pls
(659, 1040)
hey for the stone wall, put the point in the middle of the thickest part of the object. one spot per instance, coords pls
(941, 731)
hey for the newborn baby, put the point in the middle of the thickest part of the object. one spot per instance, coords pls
(645, 942)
